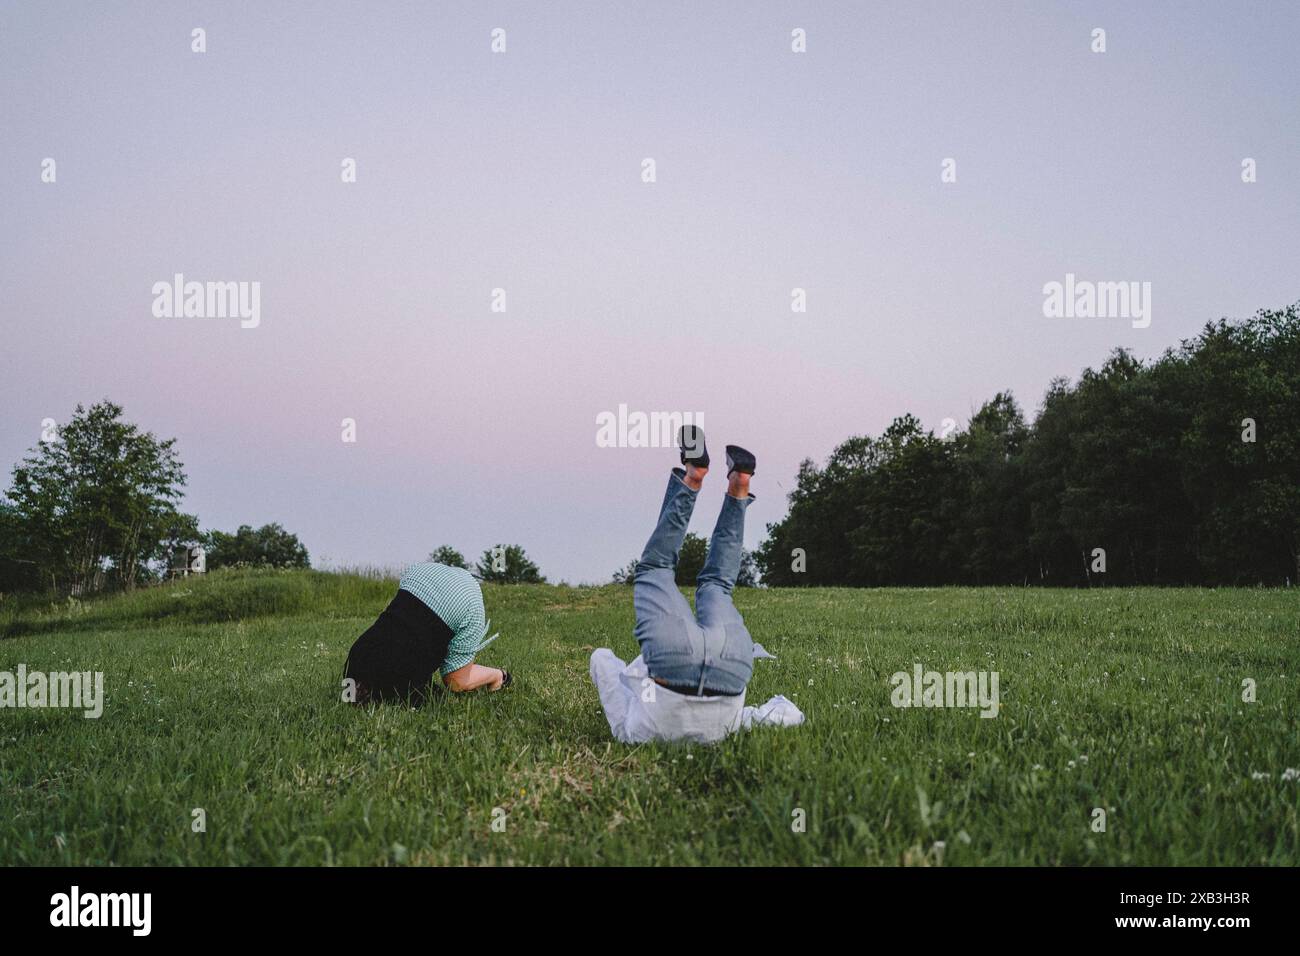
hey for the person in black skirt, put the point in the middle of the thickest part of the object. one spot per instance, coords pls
(435, 624)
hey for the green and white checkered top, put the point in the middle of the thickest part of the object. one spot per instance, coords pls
(455, 596)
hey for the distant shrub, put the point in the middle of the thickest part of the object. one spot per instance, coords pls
(507, 564)
(690, 562)
(446, 554)
(267, 546)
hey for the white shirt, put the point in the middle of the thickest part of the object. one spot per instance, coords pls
(639, 710)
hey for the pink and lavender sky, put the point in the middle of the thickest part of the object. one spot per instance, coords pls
(522, 170)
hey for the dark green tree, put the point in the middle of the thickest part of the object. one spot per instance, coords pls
(1241, 450)
(811, 546)
(993, 525)
(908, 511)
(694, 553)
(267, 546)
(507, 564)
(93, 508)
(18, 572)
(690, 559)
(446, 554)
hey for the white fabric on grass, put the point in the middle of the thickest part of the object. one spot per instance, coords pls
(639, 710)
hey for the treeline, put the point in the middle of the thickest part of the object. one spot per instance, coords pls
(1182, 470)
(95, 507)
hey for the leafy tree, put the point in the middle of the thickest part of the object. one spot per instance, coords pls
(690, 560)
(180, 535)
(1182, 470)
(907, 511)
(694, 553)
(990, 545)
(515, 568)
(810, 546)
(269, 545)
(1049, 461)
(17, 572)
(92, 509)
(446, 554)
(1248, 521)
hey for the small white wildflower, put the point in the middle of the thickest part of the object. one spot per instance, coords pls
(1290, 773)
(1258, 775)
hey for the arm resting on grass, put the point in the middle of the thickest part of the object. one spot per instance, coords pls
(472, 676)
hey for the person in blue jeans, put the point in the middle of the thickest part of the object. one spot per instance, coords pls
(690, 680)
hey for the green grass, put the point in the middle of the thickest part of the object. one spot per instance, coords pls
(224, 694)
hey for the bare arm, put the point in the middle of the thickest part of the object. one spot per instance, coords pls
(473, 676)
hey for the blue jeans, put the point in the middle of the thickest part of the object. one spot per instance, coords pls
(710, 650)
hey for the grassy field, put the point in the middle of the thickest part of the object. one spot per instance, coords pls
(223, 694)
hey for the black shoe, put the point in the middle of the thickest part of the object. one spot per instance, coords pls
(740, 460)
(506, 680)
(695, 451)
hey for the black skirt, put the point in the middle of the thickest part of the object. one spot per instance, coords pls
(398, 656)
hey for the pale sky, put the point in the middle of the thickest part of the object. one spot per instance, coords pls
(522, 170)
